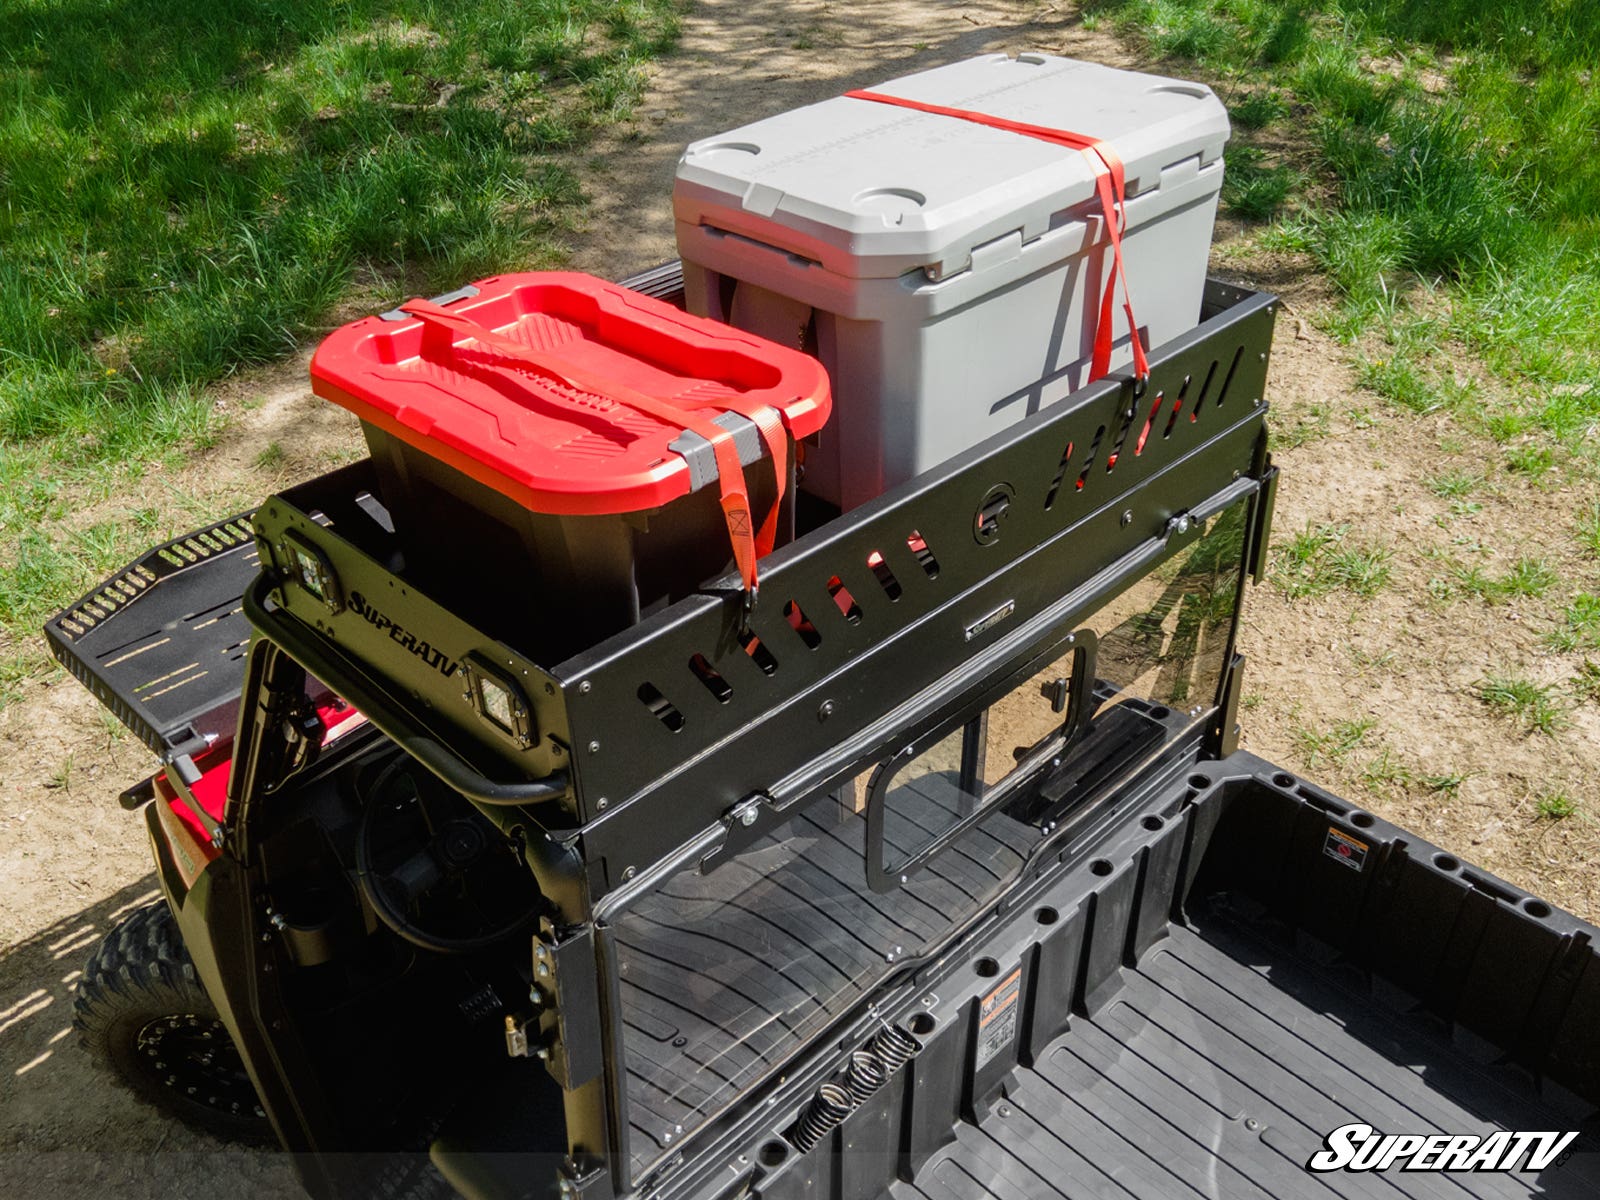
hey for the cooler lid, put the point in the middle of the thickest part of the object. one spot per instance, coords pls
(870, 190)
(549, 446)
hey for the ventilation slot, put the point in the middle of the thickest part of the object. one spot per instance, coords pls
(1205, 387)
(886, 580)
(923, 555)
(801, 624)
(1088, 462)
(759, 654)
(708, 675)
(1122, 437)
(1172, 420)
(660, 707)
(1144, 434)
(1061, 473)
(848, 608)
(1228, 382)
(1194, 412)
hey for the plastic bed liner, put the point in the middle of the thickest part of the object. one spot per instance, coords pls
(1195, 999)
(1224, 1056)
(727, 975)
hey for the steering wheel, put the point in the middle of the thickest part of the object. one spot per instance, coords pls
(422, 852)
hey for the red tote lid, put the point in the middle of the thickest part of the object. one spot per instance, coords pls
(548, 446)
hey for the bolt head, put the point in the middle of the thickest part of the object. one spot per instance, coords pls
(630, 873)
(585, 688)
(1127, 517)
(825, 710)
(594, 747)
(1183, 524)
(600, 804)
(748, 817)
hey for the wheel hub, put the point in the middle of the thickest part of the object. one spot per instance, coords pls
(194, 1058)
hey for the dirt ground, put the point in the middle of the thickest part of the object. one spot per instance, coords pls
(71, 860)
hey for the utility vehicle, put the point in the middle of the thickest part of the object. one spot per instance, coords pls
(935, 872)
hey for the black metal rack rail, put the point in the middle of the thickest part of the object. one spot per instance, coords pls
(698, 716)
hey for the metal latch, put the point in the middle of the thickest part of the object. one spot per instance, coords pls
(519, 1043)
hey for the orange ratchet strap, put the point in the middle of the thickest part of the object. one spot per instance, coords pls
(749, 543)
(1108, 183)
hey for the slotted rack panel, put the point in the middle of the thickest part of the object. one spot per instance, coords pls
(162, 642)
(666, 726)
(908, 579)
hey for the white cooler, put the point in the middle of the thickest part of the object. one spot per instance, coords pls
(949, 273)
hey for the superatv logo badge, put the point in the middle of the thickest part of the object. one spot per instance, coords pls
(435, 658)
(1361, 1148)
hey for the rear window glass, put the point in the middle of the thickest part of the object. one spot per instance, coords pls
(725, 976)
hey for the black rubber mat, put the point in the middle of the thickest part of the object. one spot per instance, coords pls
(1217, 1071)
(725, 976)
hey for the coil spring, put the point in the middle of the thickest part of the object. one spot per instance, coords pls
(864, 1075)
(828, 1107)
(894, 1047)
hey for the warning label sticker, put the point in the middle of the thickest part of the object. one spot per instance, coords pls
(997, 1018)
(1341, 847)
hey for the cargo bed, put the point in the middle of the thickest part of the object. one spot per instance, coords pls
(1216, 1070)
(1198, 996)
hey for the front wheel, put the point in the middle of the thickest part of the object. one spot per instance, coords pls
(141, 1012)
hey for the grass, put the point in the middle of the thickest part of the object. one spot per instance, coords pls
(1386, 774)
(1324, 559)
(1447, 784)
(1586, 683)
(190, 188)
(1555, 806)
(1580, 625)
(1527, 578)
(1365, 660)
(60, 779)
(1447, 174)
(1254, 188)
(1587, 531)
(1454, 484)
(1335, 743)
(1531, 460)
(1535, 706)
(1258, 109)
